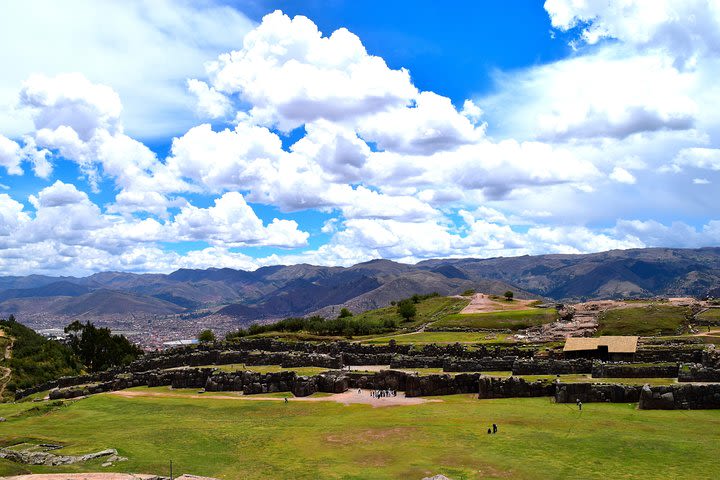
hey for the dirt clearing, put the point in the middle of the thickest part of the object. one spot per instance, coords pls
(346, 398)
(482, 303)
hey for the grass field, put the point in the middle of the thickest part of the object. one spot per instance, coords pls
(712, 315)
(511, 319)
(423, 338)
(264, 439)
(646, 321)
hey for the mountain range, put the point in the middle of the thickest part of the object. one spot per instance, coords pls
(282, 291)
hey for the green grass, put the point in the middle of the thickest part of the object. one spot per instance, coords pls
(645, 321)
(511, 319)
(305, 440)
(424, 338)
(712, 315)
(428, 310)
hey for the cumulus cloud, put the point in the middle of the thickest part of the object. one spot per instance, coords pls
(145, 49)
(333, 78)
(604, 95)
(430, 125)
(210, 102)
(10, 156)
(684, 28)
(400, 173)
(232, 222)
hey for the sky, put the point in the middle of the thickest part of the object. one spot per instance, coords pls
(147, 136)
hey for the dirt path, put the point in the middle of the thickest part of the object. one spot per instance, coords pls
(346, 398)
(707, 334)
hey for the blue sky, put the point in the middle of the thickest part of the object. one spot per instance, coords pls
(131, 138)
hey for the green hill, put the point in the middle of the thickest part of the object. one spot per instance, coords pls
(33, 359)
(649, 320)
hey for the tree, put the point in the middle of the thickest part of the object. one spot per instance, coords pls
(11, 318)
(344, 313)
(406, 309)
(98, 348)
(206, 336)
(509, 296)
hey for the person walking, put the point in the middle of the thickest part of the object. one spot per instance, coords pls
(579, 405)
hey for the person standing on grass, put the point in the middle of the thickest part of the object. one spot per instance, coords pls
(579, 405)
(494, 428)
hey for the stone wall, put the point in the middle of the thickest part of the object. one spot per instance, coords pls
(680, 353)
(696, 372)
(676, 397)
(416, 361)
(430, 385)
(632, 370)
(486, 364)
(513, 387)
(596, 392)
(551, 366)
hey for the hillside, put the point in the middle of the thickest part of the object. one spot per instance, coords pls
(32, 359)
(281, 291)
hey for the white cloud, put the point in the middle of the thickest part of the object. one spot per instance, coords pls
(144, 49)
(232, 222)
(394, 167)
(621, 175)
(10, 156)
(684, 28)
(431, 125)
(333, 78)
(608, 94)
(210, 102)
(697, 157)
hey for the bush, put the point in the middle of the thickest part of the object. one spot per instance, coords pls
(344, 313)
(468, 293)
(509, 295)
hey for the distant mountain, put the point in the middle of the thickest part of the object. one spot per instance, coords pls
(617, 273)
(293, 290)
(109, 302)
(62, 288)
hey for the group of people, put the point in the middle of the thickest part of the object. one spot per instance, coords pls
(380, 393)
(493, 429)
